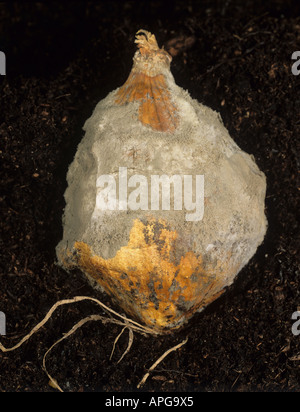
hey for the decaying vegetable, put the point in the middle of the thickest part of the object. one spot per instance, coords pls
(163, 209)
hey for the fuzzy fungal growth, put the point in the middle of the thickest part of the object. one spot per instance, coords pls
(163, 209)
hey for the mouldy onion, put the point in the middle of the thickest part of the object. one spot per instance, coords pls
(163, 209)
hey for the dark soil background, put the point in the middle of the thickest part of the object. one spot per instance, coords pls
(62, 58)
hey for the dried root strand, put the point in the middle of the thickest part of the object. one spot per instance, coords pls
(130, 341)
(121, 320)
(125, 321)
(115, 342)
(66, 335)
(160, 360)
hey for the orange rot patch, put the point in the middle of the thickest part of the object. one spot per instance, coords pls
(147, 283)
(156, 108)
